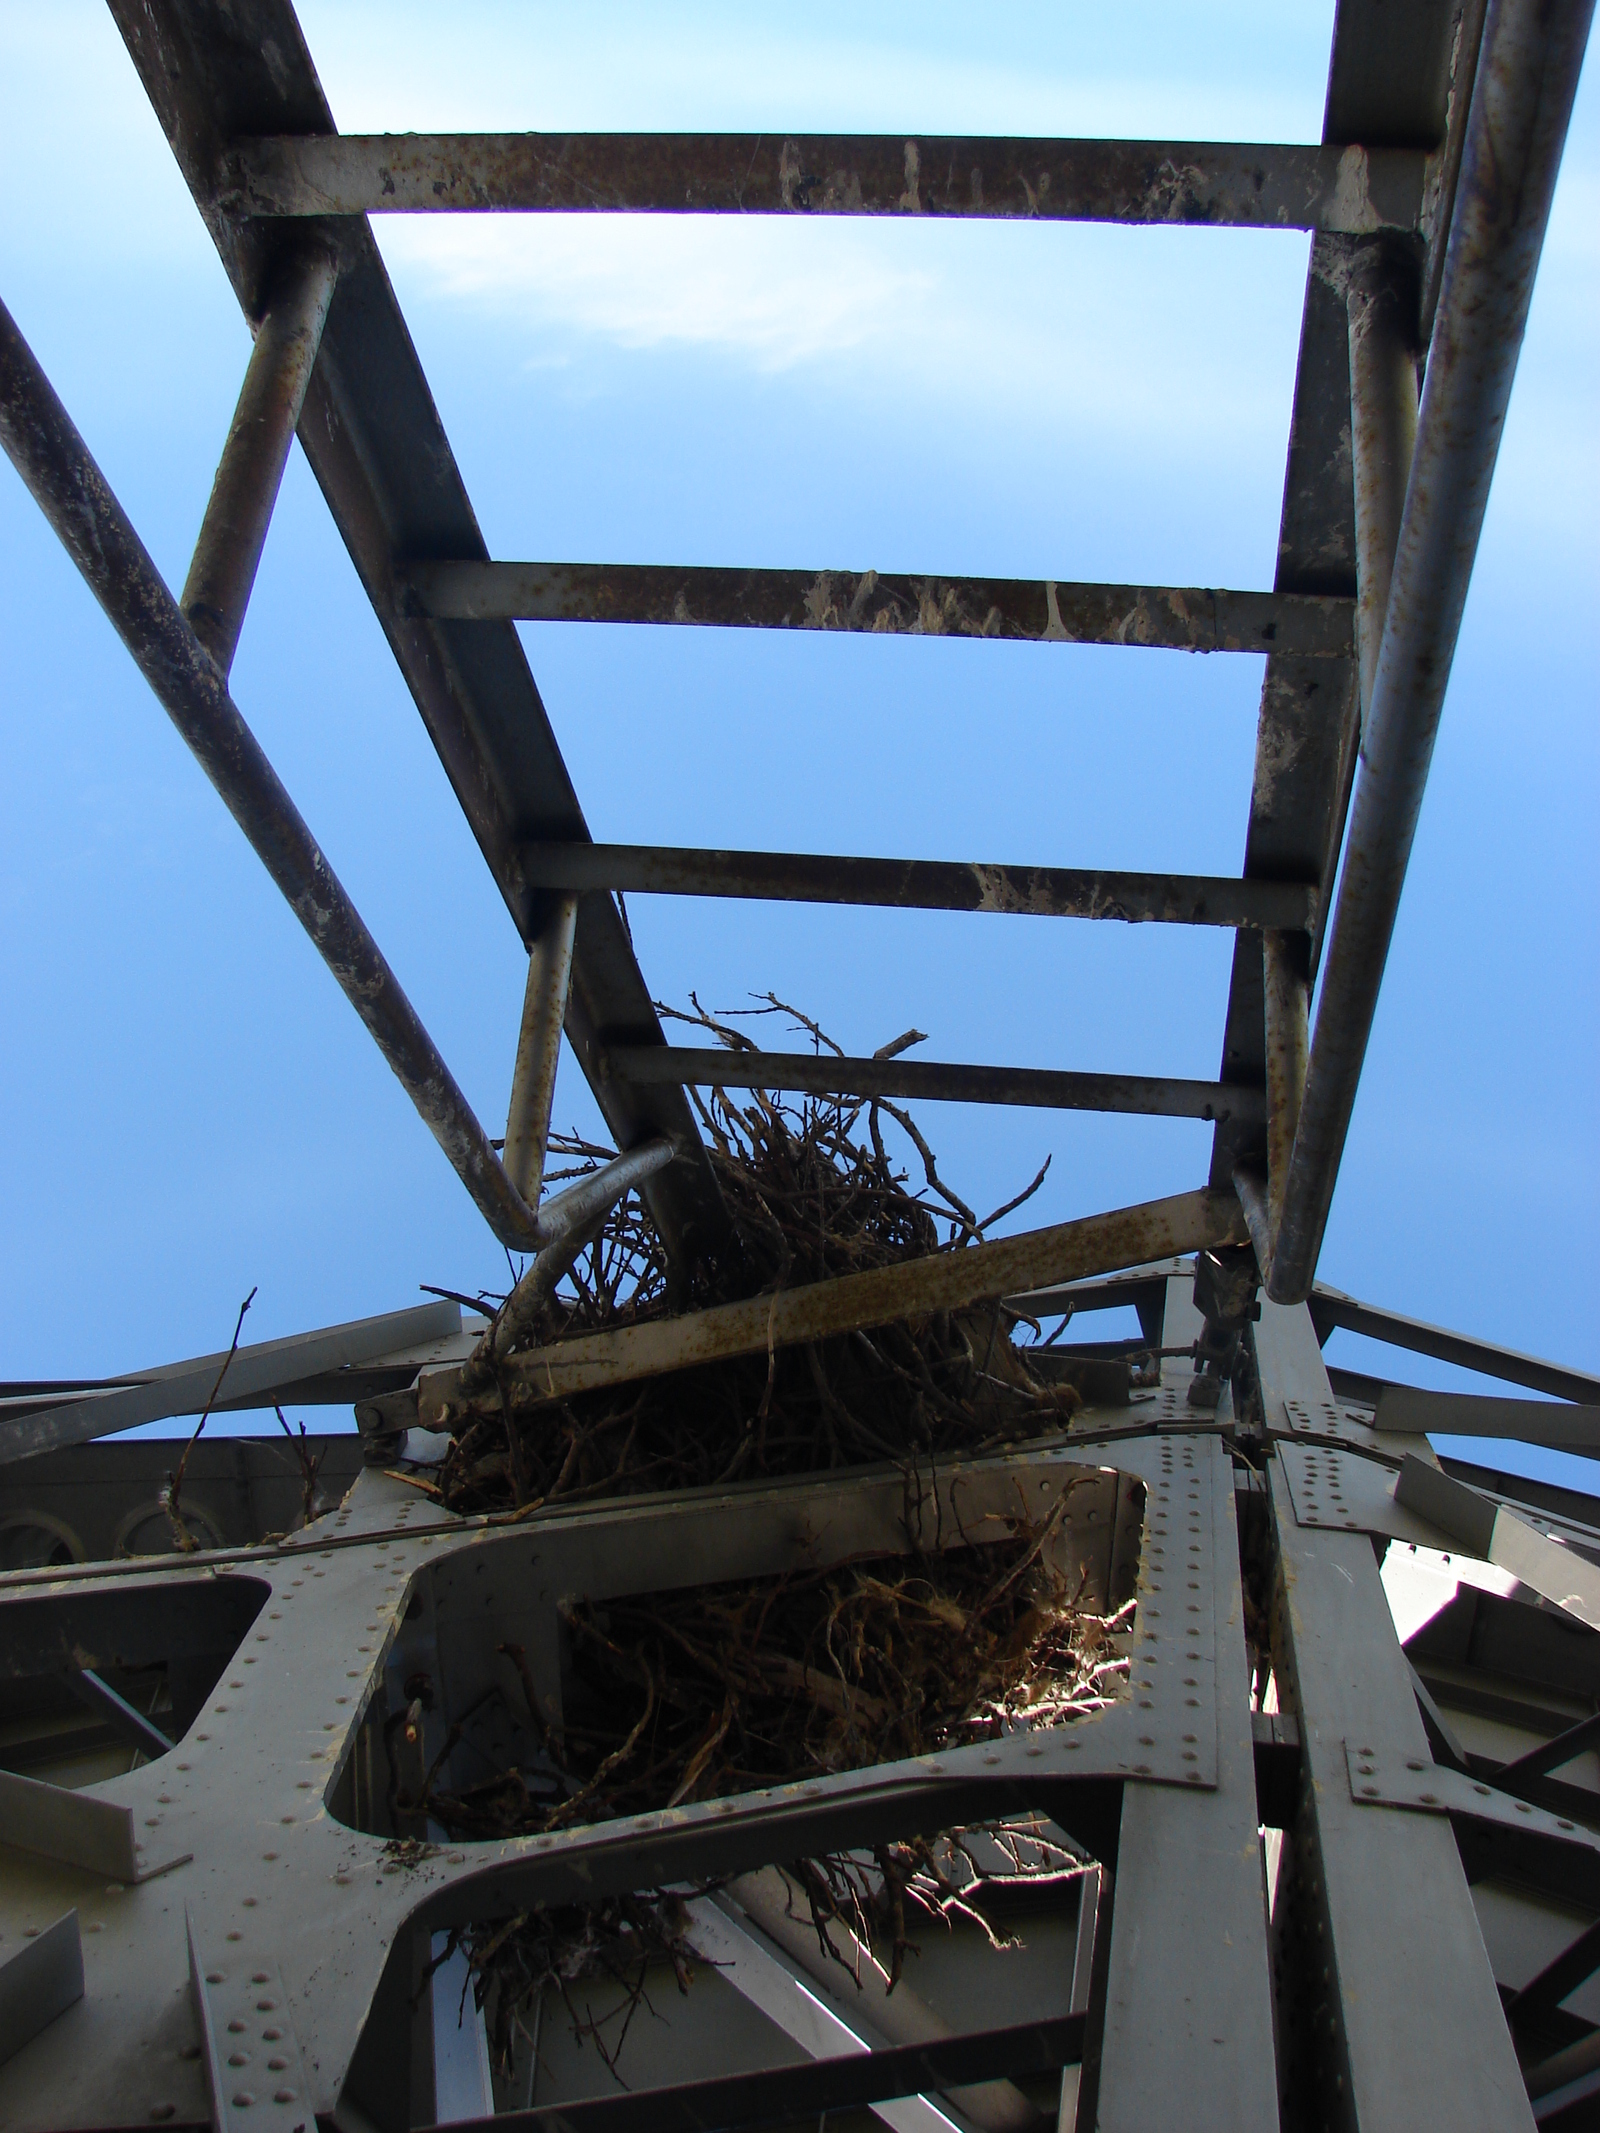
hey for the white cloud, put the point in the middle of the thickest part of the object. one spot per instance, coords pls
(664, 282)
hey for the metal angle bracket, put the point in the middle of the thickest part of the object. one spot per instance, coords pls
(1433, 1788)
(77, 1829)
(1347, 1493)
(40, 1981)
(254, 2070)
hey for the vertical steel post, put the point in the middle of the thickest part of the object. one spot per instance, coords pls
(1188, 1989)
(1381, 302)
(250, 471)
(1286, 992)
(533, 1081)
(1388, 2011)
(1521, 104)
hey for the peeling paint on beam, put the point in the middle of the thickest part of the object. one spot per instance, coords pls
(935, 1081)
(1353, 190)
(920, 885)
(1032, 610)
(943, 1281)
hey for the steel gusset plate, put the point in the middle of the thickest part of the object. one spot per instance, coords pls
(387, 1582)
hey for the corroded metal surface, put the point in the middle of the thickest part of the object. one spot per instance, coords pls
(944, 1281)
(1037, 610)
(46, 449)
(1522, 100)
(921, 884)
(1349, 189)
(933, 1081)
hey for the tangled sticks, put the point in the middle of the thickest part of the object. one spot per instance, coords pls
(811, 1197)
(692, 1695)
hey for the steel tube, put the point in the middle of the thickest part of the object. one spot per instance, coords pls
(570, 1210)
(1381, 303)
(934, 1081)
(1521, 103)
(1286, 997)
(533, 1081)
(250, 471)
(921, 885)
(69, 488)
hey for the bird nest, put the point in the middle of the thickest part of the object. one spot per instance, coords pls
(813, 1191)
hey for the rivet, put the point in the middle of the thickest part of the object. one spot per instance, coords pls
(236, 1936)
(238, 2058)
(1371, 1791)
(269, 1855)
(1414, 1765)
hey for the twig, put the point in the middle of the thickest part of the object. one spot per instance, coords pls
(174, 1489)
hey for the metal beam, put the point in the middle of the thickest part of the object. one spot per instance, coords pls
(1332, 1310)
(1251, 185)
(52, 458)
(935, 1082)
(789, 2095)
(219, 70)
(920, 884)
(1393, 2008)
(234, 531)
(256, 1376)
(941, 1281)
(1032, 610)
(1390, 80)
(1404, 1410)
(533, 1081)
(1522, 100)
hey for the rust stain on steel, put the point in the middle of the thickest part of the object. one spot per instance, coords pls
(934, 1081)
(1031, 610)
(921, 885)
(944, 1281)
(1354, 190)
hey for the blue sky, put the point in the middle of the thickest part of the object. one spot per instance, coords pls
(193, 1107)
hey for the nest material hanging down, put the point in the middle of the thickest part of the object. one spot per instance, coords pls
(813, 1193)
(693, 1695)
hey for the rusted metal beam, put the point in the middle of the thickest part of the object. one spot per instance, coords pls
(920, 884)
(944, 1281)
(40, 439)
(1522, 100)
(1255, 186)
(1381, 300)
(533, 1082)
(933, 1081)
(217, 71)
(1286, 993)
(234, 530)
(1035, 610)
(1391, 79)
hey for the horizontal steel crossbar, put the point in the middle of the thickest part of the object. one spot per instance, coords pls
(1035, 610)
(920, 884)
(936, 1081)
(786, 2095)
(1252, 185)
